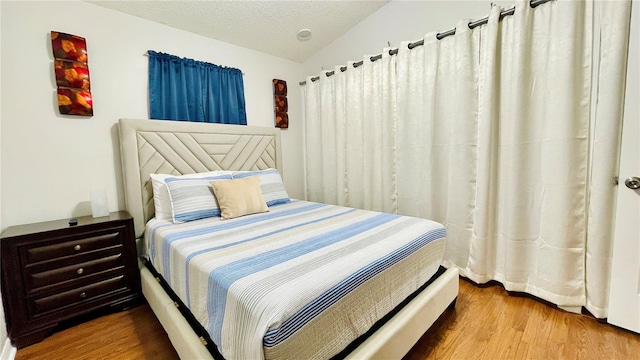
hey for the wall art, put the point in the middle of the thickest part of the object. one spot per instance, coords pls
(75, 102)
(72, 74)
(280, 103)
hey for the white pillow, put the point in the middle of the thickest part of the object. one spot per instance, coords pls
(161, 200)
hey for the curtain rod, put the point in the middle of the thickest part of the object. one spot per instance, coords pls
(146, 53)
(472, 25)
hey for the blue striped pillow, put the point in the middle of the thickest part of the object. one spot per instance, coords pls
(273, 190)
(193, 198)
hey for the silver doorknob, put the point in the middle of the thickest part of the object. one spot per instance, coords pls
(633, 183)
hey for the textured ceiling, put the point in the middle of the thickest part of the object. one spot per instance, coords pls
(266, 26)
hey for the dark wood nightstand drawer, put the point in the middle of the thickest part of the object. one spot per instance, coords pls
(72, 272)
(54, 271)
(75, 296)
(72, 246)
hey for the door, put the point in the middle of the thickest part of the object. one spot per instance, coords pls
(624, 295)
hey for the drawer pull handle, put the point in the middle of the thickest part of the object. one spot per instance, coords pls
(83, 295)
(80, 271)
(76, 248)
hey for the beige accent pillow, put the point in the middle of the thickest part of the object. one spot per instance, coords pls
(239, 197)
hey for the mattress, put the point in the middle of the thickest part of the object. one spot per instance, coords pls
(300, 281)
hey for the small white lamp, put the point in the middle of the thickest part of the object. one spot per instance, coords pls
(99, 205)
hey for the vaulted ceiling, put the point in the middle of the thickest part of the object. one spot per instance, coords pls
(266, 26)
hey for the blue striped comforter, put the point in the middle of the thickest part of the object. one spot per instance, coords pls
(300, 281)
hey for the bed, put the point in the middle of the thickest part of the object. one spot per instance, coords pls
(251, 311)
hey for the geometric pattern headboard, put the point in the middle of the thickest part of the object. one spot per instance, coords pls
(178, 147)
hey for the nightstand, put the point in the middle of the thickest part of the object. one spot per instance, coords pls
(53, 271)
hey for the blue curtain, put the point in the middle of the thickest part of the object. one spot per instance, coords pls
(186, 89)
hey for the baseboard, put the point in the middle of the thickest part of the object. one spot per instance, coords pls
(8, 351)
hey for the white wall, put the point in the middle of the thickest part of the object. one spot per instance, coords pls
(7, 351)
(395, 22)
(51, 162)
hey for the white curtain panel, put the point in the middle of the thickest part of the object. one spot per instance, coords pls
(370, 132)
(324, 139)
(530, 219)
(437, 134)
(500, 133)
(350, 124)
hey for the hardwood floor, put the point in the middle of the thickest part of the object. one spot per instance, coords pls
(130, 334)
(487, 323)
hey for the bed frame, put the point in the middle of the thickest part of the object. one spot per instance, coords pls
(175, 147)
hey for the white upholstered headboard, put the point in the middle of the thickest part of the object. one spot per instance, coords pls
(178, 147)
